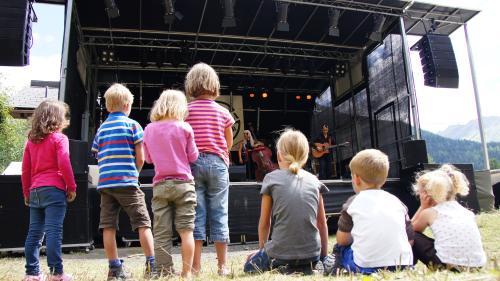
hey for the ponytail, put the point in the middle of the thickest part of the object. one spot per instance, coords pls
(294, 167)
(460, 184)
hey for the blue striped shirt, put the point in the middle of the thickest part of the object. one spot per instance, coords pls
(114, 146)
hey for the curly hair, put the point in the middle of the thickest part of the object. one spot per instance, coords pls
(442, 184)
(50, 116)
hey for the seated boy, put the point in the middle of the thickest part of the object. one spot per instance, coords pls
(120, 157)
(374, 228)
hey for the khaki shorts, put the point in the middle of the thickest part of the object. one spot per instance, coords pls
(130, 199)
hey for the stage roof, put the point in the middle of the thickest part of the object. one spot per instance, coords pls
(254, 52)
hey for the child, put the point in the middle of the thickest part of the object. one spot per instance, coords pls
(457, 243)
(213, 133)
(48, 182)
(120, 157)
(293, 197)
(374, 230)
(169, 145)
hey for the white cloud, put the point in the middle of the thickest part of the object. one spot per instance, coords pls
(40, 68)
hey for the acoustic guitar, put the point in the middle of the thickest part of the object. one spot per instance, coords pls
(318, 152)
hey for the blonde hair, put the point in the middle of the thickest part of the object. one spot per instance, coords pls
(50, 116)
(202, 80)
(371, 165)
(117, 96)
(170, 104)
(251, 141)
(293, 148)
(442, 184)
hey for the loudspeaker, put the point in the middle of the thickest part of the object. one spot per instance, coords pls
(438, 61)
(415, 152)
(15, 32)
(78, 154)
(237, 173)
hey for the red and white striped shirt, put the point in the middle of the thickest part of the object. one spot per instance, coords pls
(209, 121)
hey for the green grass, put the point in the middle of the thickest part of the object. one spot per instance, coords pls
(93, 266)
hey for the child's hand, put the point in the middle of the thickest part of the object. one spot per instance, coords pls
(426, 201)
(27, 201)
(70, 196)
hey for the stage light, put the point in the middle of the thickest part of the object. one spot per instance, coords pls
(111, 9)
(228, 20)
(297, 97)
(339, 70)
(333, 16)
(308, 97)
(107, 56)
(251, 95)
(170, 13)
(378, 24)
(264, 95)
(282, 17)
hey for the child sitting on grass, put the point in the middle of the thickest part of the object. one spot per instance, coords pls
(457, 244)
(374, 228)
(292, 197)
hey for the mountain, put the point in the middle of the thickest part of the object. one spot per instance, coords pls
(447, 150)
(470, 131)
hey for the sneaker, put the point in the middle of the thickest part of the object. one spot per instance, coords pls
(223, 272)
(118, 273)
(39, 277)
(60, 277)
(330, 265)
(150, 272)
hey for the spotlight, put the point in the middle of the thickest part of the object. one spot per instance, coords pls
(111, 9)
(251, 95)
(297, 97)
(308, 97)
(107, 56)
(339, 70)
(228, 20)
(333, 16)
(378, 24)
(282, 17)
(264, 95)
(170, 13)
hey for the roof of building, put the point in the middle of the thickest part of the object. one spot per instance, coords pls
(31, 96)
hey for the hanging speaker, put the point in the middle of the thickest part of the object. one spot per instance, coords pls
(15, 32)
(438, 61)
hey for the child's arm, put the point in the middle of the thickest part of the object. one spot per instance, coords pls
(344, 238)
(139, 156)
(147, 157)
(239, 153)
(64, 165)
(345, 224)
(322, 227)
(26, 175)
(423, 216)
(228, 134)
(192, 149)
(265, 219)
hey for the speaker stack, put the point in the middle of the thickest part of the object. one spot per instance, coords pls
(15, 32)
(438, 61)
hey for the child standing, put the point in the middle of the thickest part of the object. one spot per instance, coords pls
(212, 126)
(48, 182)
(457, 242)
(120, 157)
(374, 229)
(292, 197)
(169, 145)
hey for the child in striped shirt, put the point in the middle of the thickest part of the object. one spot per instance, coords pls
(120, 157)
(212, 126)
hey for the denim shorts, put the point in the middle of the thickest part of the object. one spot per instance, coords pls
(211, 178)
(261, 262)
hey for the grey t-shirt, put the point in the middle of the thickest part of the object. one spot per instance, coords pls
(295, 211)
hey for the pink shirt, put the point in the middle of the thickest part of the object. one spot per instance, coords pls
(170, 146)
(47, 164)
(209, 121)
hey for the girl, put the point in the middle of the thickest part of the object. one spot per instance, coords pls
(457, 242)
(244, 153)
(212, 126)
(169, 145)
(48, 182)
(293, 197)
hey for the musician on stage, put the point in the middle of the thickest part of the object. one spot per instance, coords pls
(322, 144)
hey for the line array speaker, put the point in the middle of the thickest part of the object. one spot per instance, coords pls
(438, 61)
(15, 32)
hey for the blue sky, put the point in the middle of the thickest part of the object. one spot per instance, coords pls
(438, 108)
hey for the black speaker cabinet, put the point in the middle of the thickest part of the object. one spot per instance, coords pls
(78, 154)
(438, 61)
(470, 201)
(415, 152)
(237, 173)
(15, 32)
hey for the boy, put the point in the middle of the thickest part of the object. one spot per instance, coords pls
(119, 150)
(374, 228)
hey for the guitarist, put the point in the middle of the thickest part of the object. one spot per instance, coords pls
(321, 143)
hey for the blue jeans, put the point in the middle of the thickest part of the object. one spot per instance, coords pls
(47, 210)
(347, 257)
(261, 262)
(212, 189)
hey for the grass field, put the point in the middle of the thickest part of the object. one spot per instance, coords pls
(93, 266)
